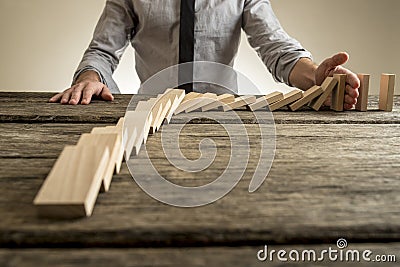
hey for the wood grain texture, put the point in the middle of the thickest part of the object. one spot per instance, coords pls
(33, 108)
(327, 191)
(362, 101)
(386, 92)
(170, 257)
(71, 188)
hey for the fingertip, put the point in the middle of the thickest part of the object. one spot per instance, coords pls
(85, 102)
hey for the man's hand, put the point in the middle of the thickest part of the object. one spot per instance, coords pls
(332, 66)
(87, 85)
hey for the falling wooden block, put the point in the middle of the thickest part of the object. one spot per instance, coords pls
(161, 109)
(239, 102)
(264, 101)
(219, 102)
(118, 129)
(72, 186)
(308, 96)
(386, 94)
(186, 102)
(112, 143)
(287, 99)
(176, 96)
(339, 92)
(137, 122)
(362, 101)
(328, 85)
(202, 101)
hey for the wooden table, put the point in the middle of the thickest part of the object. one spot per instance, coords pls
(335, 175)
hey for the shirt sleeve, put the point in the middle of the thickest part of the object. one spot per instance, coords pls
(110, 39)
(276, 48)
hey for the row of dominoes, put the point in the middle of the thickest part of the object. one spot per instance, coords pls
(314, 97)
(81, 172)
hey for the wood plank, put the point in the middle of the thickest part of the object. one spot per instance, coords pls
(264, 101)
(204, 100)
(338, 92)
(107, 113)
(308, 96)
(71, 188)
(192, 256)
(113, 144)
(239, 102)
(221, 99)
(313, 196)
(328, 85)
(362, 101)
(287, 99)
(387, 92)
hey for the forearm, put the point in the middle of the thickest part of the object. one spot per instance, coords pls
(302, 75)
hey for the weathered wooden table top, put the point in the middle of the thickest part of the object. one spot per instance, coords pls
(335, 175)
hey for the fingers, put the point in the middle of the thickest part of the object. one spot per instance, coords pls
(56, 98)
(87, 96)
(106, 94)
(76, 94)
(66, 96)
(335, 61)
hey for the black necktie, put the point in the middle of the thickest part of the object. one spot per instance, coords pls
(186, 44)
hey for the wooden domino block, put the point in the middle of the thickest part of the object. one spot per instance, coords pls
(186, 102)
(138, 124)
(362, 101)
(204, 100)
(339, 92)
(219, 102)
(118, 129)
(308, 96)
(176, 96)
(71, 188)
(386, 94)
(328, 85)
(287, 99)
(112, 143)
(264, 101)
(239, 102)
(161, 109)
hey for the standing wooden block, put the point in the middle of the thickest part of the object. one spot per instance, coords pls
(264, 101)
(308, 96)
(328, 85)
(339, 92)
(287, 99)
(386, 94)
(204, 100)
(71, 188)
(219, 102)
(112, 143)
(362, 101)
(118, 129)
(176, 96)
(138, 123)
(186, 102)
(239, 102)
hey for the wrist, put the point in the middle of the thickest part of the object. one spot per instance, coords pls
(89, 75)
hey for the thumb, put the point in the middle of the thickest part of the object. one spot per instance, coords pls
(334, 61)
(106, 94)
